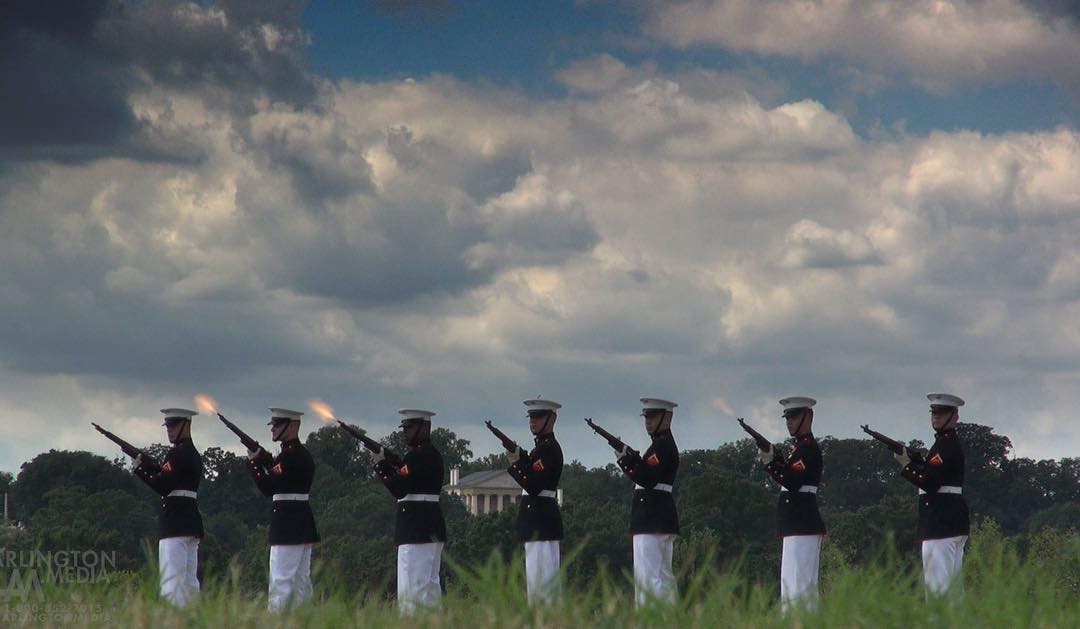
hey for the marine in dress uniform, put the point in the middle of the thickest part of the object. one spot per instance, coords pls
(286, 479)
(799, 523)
(943, 513)
(654, 521)
(180, 525)
(539, 522)
(419, 528)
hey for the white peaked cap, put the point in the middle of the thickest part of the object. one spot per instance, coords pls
(178, 413)
(542, 405)
(649, 403)
(944, 399)
(286, 413)
(414, 413)
(798, 402)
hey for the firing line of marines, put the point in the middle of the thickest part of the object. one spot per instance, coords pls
(416, 478)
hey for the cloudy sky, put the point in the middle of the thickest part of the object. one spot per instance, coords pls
(459, 205)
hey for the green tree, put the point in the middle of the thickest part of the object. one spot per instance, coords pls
(740, 512)
(108, 520)
(228, 488)
(332, 446)
(61, 468)
(858, 473)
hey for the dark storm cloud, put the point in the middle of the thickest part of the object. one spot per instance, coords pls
(239, 46)
(67, 69)
(63, 98)
(403, 251)
(1055, 8)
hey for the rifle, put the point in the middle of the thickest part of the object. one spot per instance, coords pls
(763, 444)
(246, 439)
(361, 435)
(507, 442)
(128, 449)
(893, 445)
(613, 441)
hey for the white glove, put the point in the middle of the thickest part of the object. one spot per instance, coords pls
(764, 456)
(380, 456)
(137, 463)
(514, 456)
(903, 458)
(253, 454)
(626, 450)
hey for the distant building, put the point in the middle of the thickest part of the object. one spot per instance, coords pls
(6, 522)
(490, 491)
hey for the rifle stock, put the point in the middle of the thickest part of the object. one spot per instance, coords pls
(763, 444)
(249, 443)
(361, 435)
(127, 448)
(613, 441)
(507, 442)
(893, 444)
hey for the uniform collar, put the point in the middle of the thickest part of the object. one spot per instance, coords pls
(807, 437)
(948, 432)
(423, 444)
(662, 434)
(290, 444)
(542, 439)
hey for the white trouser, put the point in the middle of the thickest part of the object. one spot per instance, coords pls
(290, 575)
(542, 572)
(942, 560)
(418, 576)
(178, 562)
(653, 579)
(799, 564)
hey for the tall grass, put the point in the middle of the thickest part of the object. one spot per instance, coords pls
(1000, 590)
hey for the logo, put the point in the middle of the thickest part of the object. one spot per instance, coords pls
(25, 577)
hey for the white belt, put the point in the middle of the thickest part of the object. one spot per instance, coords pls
(546, 493)
(805, 489)
(657, 487)
(182, 493)
(298, 497)
(945, 489)
(419, 498)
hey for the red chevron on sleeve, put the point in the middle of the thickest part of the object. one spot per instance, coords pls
(403, 470)
(167, 467)
(538, 465)
(798, 465)
(936, 460)
(277, 469)
(653, 460)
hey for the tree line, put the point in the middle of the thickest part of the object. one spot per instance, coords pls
(68, 500)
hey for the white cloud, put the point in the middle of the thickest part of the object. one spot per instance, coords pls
(938, 43)
(811, 245)
(597, 73)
